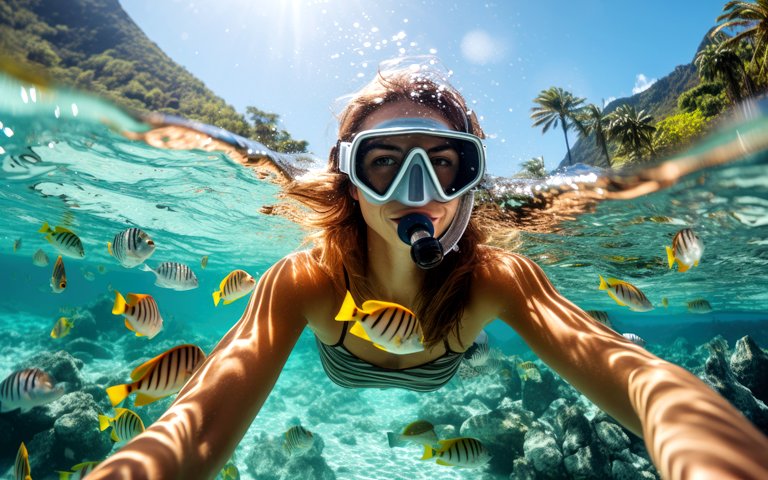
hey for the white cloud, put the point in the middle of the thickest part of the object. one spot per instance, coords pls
(480, 48)
(642, 83)
(608, 100)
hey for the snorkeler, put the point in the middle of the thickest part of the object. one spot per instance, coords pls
(410, 153)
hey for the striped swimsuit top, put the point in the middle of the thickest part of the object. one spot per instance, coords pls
(346, 369)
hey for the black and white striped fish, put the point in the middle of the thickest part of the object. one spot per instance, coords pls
(421, 432)
(626, 294)
(699, 305)
(21, 470)
(141, 314)
(59, 276)
(40, 259)
(686, 250)
(176, 276)
(298, 440)
(387, 325)
(65, 241)
(28, 388)
(634, 339)
(458, 452)
(235, 285)
(601, 316)
(126, 424)
(159, 377)
(131, 247)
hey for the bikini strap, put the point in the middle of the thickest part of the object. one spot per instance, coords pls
(346, 276)
(343, 334)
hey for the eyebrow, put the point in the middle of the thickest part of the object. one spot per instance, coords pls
(364, 149)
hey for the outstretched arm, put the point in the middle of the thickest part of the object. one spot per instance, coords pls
(690, 431)
(201, 429)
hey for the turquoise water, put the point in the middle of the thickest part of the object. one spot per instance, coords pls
(65, 162)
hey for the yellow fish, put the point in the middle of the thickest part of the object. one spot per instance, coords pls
(78, 472)
(59, 276)
(235, 285)
(686, 250)
(204, 261)
(159, 377)
(601, 316)
(64, 240)
(62, 328)
(16, 245)
(458, 452)
(141, 314)
(699, 306)
(420, 431)
(126, 424)
(21, 470)
(626, 294)
(529, 371)
(230, 472)
(387, 325)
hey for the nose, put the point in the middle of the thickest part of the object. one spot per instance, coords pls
(416, 183)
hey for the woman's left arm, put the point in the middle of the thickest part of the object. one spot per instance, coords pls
(690, 430)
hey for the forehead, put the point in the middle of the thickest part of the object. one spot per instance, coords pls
(402, 109)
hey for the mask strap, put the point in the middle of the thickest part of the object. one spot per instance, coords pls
(450, 239)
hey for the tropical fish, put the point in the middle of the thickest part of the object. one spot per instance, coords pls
(159, 377)
(634, 339)
(79, 471)
(458, 452)
(626, 294)
(665, 302)
(600, 316)
(529, 371)
(235, 285)
(176, 276)
(466, 371)
(420, 431)
(204, 262)
(480, 354)
(16, 245)
(27, 389)
(40, 259)
(59, 276)
(388, 326)
(141, 314)
(65, 241)
(699, 306)
(230, 472)
(298, 440)
(21, 470)
(126, 424)
(686, 250)
(131, 247)
(62, 327)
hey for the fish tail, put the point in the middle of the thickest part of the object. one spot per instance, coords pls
(681, 267)
(216, 297)
(45, 228)
(64, 475)
(109, 248)
(348, 309)
(119, 306)
(603, 285)
(117, 393)
(103, 422)
(671, 257)
(394, 440)
(429, 452)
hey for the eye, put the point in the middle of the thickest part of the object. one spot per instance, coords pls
(384, 161)
(441, 161)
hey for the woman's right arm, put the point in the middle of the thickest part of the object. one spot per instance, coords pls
(196, 436)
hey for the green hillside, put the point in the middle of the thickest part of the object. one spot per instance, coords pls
(94, 45)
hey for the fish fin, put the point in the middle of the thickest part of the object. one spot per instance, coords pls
(358, 331)
(144, 399)
(142, 369)
(117, 393)
(224, 282)
(45, 228)
(146, 268)
(114, 436)
(603, 285)
(119, 306)
(109, 248)
(120, 411)
(64, 475)
(681, 267)
(670, 256)
(130, 327)
(616, 299)
(442, 462)
(348, 310)
(428, 452)
(216, 297)
(695, 263)
(60, 229)
(104, 422)
(134, 298)
(380, 347)
(372, 305)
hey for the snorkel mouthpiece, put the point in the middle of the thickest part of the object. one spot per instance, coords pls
(417, 231)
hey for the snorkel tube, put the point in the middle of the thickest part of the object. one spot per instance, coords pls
(417, 231)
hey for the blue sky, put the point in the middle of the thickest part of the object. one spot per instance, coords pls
(297, 58)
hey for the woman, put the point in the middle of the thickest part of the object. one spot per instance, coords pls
(402, 172)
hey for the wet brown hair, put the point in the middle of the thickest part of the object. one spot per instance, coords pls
(341, 240)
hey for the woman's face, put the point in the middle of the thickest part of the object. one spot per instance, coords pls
(383, 219)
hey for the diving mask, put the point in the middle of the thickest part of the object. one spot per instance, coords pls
(384, 165)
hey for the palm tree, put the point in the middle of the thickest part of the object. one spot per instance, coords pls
(593, 121)
(556, 106)
(719, 60)
(753, 17)
(533, 168)
(633, 130)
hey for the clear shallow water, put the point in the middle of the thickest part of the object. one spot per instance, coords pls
(65, 162)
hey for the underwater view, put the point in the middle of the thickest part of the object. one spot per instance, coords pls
(78, 173)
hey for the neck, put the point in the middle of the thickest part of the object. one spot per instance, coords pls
(394, 275)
